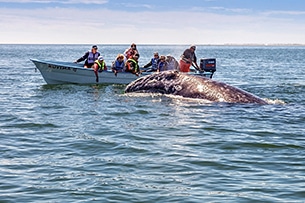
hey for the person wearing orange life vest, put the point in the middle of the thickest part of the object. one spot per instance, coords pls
(132, 65)
(99, 66)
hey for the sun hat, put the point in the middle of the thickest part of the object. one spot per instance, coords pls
(193, 46)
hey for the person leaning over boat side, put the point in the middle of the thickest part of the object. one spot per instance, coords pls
(129, 52)
(153, 63)
(162, 65)
(188, 58)
(132, 65)
(172, 63)
(89, 57)
(118, 64)
(99, 66)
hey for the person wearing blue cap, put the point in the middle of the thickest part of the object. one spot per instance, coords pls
(89, 57)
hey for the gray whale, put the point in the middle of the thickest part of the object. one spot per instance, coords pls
(191, 86)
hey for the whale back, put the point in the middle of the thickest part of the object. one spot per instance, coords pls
(191, 86)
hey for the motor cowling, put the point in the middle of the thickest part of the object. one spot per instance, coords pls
(208, 64)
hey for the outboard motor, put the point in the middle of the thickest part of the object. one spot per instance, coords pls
(208, 65)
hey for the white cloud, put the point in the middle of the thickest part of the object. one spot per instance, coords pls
(231, 10)
(132, 5)
(66, 25)
(293, 13)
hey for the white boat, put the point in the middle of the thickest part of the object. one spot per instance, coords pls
(56, 72)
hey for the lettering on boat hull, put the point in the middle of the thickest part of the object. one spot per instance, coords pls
(61, 67)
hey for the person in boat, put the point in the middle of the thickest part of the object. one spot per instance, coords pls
(119, 64)
(130, 52)
(153, 63)
(132, 65)
(162, 65)
(89, 57)
(99, 66)
(189, 58)
(172, 63)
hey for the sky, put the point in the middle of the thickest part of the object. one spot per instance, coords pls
(201, 22)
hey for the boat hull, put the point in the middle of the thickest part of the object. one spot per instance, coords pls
(65, 72)
(54, 72)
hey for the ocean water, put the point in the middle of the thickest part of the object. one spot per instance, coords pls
(89, 143)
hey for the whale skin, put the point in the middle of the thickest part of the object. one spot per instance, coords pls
(191, 86)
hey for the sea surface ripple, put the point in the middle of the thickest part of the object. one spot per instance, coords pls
(93, 143)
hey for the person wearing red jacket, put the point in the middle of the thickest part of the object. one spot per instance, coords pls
(188, 58)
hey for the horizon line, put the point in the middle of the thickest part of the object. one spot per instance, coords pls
(153, 44)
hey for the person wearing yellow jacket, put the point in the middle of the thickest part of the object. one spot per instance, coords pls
(99, 66)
